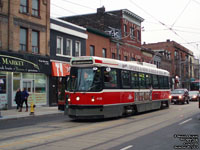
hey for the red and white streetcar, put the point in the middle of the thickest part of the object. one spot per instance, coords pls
(104, 88)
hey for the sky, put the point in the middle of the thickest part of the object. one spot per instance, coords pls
(177, 20)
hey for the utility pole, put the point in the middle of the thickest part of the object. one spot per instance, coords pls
(117, 50)
(180, 78)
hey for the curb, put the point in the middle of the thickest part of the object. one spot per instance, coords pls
(6, 118)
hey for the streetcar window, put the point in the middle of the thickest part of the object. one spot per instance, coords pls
(166, 82)
(85, 79)
(142, 80)
(125, 76)
(134, 80)
(161, 82)
(155, 82)
(148, 81)
(110, 78)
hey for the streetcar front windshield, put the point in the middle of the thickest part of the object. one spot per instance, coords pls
(85, 79)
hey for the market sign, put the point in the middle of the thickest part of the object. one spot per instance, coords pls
(24, 63)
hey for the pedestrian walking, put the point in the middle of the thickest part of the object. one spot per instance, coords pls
(25, 95)
(18, 98)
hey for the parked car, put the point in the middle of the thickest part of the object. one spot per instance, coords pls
(179, 96)
(194, 95)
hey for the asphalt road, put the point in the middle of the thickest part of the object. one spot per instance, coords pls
(168, 129)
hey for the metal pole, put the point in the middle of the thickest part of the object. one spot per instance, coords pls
(118, 50)
(180, 78)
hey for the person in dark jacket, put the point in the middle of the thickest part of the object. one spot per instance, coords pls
(25, 95)
(18, 98)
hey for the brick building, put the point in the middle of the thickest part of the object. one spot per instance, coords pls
(176, 59)
(24, 50)
(124, 28)
(98, 43)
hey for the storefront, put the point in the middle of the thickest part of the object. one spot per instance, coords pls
(58, 82)
(23, 71)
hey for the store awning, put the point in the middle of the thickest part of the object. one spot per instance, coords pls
(60, 69)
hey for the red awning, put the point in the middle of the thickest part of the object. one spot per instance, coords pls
(60, 69)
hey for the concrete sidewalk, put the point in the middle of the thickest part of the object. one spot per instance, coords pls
(40, 110)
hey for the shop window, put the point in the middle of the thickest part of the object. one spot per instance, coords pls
(35, 42)
(16, 84)
(23, 39)
(17, 75)
(3, 92)
(35, 7)
(2, 84)
(23, 6)
(28, 76)
(40, 83)
(77, 48)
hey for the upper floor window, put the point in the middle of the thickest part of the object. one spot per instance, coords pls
(23, 39)
(125, 58)
(59, 45)
(125, 29)
(69, 47)
(138, 35)
(104, 52)
(92, 50)
(23, 6)
(113, 55)
(35, 42)
(77, 48)
(132, 33)
(35, 7)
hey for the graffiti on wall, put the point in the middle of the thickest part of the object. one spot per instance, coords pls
(115, 33)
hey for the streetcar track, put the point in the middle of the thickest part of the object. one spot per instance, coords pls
(100, 130)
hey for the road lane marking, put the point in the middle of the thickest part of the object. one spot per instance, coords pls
(125, 148)
(185, 121)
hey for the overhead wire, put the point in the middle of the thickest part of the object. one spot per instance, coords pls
(163, 24)
(181, 13)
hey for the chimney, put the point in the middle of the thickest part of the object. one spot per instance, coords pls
(168, 40)
(101, 10)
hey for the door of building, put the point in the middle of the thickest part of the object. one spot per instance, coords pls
(28, 84)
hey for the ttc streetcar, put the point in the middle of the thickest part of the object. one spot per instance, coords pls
(104, 88)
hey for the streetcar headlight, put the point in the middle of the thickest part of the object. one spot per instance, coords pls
(170, 97)
(69, 99)
(180, 96)
(77, 98)
(93, 99)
